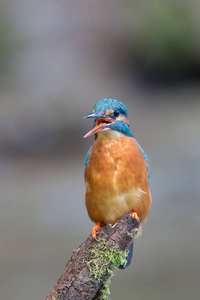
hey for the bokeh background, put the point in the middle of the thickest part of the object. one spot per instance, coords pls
(57, 59)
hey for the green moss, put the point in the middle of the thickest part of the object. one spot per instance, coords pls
(55, 297)
(105, 291)
(134, 232)
(104, 261)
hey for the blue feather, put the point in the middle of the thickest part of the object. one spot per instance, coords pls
(113, 104)
(145, 157)
(87, 157)
(122, 127)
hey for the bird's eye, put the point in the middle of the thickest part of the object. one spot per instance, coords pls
(116, 113)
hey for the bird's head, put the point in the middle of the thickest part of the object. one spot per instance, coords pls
(109, 114)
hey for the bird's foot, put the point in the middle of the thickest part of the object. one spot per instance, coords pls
(134, 215)
(94, 231)
(138, 230)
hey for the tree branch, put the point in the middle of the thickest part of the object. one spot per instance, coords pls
(88, 272)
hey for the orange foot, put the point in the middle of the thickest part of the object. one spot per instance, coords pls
(94, 230)
(134, 215)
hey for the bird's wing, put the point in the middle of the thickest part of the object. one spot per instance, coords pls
(145, 157)
(87, 157)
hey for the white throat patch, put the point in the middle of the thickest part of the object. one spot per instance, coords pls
(110, 133)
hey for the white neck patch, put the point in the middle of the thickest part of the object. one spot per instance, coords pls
(110, 133)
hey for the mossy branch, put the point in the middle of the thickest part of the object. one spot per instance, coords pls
(88, 272)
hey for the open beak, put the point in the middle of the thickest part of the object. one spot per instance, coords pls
(102, 122)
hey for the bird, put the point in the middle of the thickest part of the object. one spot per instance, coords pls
(117, 177)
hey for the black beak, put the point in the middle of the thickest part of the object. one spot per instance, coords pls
(104, 122)
(97, 115)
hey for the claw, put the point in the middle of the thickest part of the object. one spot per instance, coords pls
(134, 215)
(94, 231)
(95, 239)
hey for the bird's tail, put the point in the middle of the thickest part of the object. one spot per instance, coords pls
(129, 256)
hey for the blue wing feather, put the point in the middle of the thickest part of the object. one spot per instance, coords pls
(145, 157)
(87, 157)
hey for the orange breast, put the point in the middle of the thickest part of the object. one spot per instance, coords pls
(116, 180)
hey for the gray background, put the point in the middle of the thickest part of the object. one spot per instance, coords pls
(57, 59)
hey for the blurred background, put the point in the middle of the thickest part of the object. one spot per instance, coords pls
(57, 59)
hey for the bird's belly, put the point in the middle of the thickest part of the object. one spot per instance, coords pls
(106, 207)
(116, 181)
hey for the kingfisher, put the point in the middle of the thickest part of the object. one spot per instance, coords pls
(116, 169)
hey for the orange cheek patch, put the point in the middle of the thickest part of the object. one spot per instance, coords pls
(109, 112)
(123, 118)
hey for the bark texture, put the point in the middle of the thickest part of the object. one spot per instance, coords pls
(92, 264)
